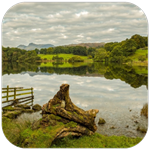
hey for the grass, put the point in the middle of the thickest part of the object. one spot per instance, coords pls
(20, 133)
(138, 53)
(141, 69)
(96, 141)
(135, 58)
(65, 56)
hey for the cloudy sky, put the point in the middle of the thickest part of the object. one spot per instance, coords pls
(71, 23)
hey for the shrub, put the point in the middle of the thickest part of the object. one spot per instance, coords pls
(75, 59)
(142, 58)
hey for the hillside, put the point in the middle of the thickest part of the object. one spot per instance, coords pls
(33, 46)
(87, 45)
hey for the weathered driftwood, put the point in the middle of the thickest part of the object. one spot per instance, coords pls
(62, 107)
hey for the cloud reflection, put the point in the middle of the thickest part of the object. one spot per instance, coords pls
(87, 92)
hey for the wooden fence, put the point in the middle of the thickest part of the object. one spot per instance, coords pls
(15, 94)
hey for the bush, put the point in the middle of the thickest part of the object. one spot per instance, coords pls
(142, 58)
(89, 57)
(75, 59)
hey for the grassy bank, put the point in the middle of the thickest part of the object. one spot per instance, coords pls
(20, 133)
(135, 58)
(96, 141)
(65, 56)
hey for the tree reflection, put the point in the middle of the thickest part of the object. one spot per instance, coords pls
(111, 71)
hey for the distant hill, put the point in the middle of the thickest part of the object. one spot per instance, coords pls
(33, 46)
(88, 44)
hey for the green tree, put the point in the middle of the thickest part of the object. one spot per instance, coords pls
(128, 47)
(141, 58)
(109, 46)
(139, 41)
(116, 54)
(100, 55)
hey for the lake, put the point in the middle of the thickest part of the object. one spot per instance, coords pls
(118, 91)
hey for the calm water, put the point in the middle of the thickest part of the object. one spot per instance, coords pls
(119, 92)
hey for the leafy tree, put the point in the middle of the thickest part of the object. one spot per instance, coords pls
(142, 58)
(128, 47)
(116, 54)
(37, 51)
(75, 59)
(100, 55)
(139, 41)
(50, 50)
(109, 46)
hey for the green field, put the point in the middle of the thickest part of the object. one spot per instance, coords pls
(138, 53)
(21, 134)
(65, 56)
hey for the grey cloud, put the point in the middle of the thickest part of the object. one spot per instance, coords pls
(62, 23)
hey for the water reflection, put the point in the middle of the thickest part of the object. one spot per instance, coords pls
(113, 89)
(125, 73)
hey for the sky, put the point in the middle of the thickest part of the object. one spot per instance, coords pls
(71, 23)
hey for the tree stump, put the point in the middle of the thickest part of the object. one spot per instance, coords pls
(60, 118)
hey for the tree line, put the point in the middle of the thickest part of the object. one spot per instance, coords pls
(16, 54)
(119, 51)
(111, 52)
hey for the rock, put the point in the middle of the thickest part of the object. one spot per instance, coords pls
(24, 106)
(142, 129)
(61, 109)
(112, 127)
(144, 110)
(101, 121)
(12, 114)
(8, 108)
(28, 110)
(136, 121)
(36, 107)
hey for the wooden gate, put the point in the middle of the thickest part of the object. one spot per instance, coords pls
(13, 97)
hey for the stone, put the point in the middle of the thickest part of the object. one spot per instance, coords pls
(24, 106)
(101, 121)
(28, 110)
(12, 114)
(112, 127)
(144, 110)
(36, 107)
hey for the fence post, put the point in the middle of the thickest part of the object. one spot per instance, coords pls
(14, 93)
(7, 92)
(32, 92)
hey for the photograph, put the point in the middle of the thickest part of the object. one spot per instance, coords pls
(74, 75)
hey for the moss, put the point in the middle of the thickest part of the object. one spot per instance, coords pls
(41, 138)
(79, 116)
(54, 117)
(23, 136)
(12, 114)
(71, 124)
(8, 108)
(56, 105)
(28, 110)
